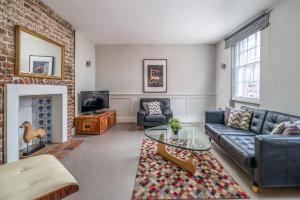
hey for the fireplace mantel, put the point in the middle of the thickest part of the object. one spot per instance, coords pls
(13, 92)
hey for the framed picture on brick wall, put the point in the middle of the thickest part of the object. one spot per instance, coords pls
(155, 75)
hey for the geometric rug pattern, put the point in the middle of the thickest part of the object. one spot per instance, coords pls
(158, 178)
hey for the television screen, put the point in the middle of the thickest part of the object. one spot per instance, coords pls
(91, 101)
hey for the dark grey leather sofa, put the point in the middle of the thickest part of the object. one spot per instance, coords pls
(154, 120)
(270, 160)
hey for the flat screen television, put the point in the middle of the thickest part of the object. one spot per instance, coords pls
(94, 101)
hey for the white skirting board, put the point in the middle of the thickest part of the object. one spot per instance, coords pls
(186, 107)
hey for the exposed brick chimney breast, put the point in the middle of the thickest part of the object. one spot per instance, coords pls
(36, 16)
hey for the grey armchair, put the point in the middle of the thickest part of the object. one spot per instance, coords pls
(154, 120)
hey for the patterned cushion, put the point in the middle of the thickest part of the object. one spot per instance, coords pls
(275, 118)
(278, 130)
(226, 114)
(292, 129)
(154, 108)
(239, 119)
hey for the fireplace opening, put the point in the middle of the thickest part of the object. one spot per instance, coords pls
(35, 116)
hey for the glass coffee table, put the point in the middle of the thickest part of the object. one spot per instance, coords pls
(189, 138)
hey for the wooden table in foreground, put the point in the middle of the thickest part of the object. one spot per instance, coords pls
(94, 124)
(189, 138)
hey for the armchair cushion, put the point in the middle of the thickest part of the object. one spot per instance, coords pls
(155, 118)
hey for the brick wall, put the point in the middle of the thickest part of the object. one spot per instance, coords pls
(34, 15)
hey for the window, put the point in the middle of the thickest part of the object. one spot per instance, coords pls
(246, 68)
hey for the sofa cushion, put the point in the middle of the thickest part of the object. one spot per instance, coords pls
(292, 129)
(239, 118)
(241, 148)
(278, 130)
(275, 118)
(155, 118)
(226, 114)
(257, 120)
(216, 130)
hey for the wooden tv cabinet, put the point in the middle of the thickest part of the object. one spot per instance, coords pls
(94, 124)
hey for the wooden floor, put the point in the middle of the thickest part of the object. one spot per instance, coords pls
(105, 167)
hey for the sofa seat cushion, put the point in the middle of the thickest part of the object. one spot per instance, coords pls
(241, 148)
(216, 130)
(33, 178)
(155, 118)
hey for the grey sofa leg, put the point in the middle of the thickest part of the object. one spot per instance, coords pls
(255, 187)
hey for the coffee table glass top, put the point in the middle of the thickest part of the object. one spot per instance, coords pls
(189, 137)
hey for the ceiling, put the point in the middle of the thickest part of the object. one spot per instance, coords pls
(157, 21)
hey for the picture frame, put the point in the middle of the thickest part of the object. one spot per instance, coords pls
(155, 75)
(29, 42)
(41, 65)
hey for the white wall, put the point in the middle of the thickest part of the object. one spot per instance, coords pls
(190, 77)
(223, 76)
(280, 62)
(84, 76)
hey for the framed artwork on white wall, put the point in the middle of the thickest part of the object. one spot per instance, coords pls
(155, 75)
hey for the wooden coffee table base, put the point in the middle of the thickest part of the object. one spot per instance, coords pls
(184, 164)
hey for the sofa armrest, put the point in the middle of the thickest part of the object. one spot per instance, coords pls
(277, 160)
(214, 117)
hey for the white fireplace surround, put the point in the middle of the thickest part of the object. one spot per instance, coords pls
(13, 92)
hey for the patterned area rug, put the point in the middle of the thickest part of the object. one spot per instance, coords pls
(157, 178)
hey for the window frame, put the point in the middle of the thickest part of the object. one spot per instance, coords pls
(234, 55)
